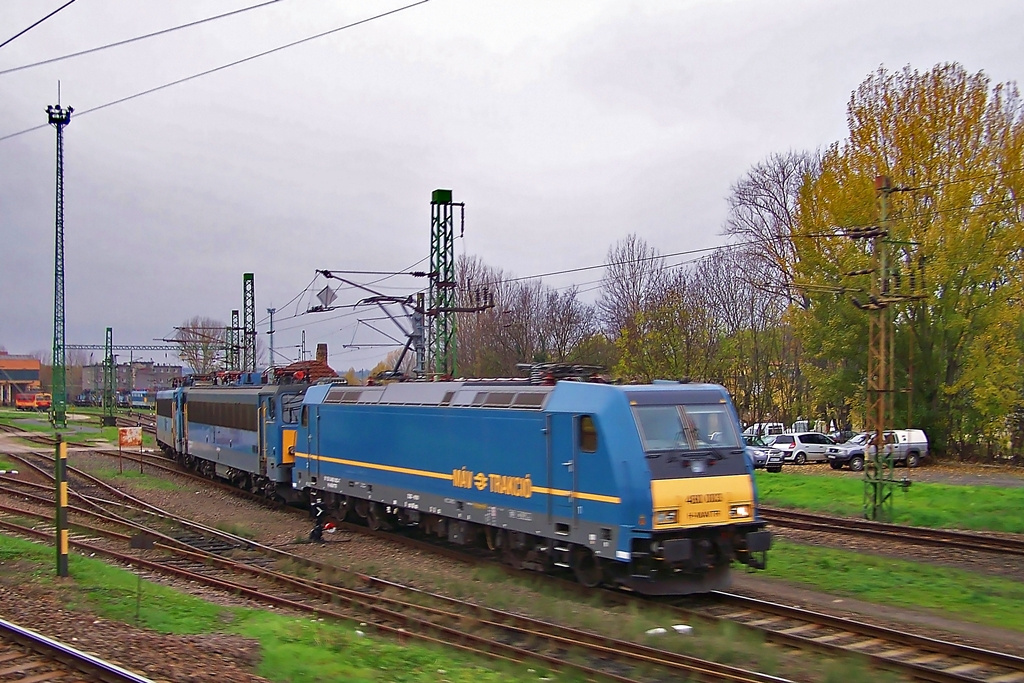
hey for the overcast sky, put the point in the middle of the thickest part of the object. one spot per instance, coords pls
(563, 126)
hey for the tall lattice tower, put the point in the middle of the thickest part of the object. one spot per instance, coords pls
(442, 304)
(109, 381)
(58, 118)
(248, 323)
(231, 338)
(879, 468)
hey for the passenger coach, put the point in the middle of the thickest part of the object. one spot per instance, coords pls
(243, 433)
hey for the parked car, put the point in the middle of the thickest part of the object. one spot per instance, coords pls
(761, 456)
(803, 447)
(908, 446)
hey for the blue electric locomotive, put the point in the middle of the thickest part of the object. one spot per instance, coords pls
(642, 486)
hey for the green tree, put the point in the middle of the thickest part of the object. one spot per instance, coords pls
(952, 144)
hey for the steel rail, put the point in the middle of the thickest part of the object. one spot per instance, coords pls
(904, 534)
(398, 612)
(94, 667)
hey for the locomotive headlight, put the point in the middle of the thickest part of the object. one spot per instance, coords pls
(665, 517)
(736, 511)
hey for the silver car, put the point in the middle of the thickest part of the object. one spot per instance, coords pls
(803, 447)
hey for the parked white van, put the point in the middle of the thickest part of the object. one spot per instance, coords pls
(764, 429)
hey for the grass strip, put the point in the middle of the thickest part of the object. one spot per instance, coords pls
(946, 506)
(79, 432)
(292, 650)
(969, 596)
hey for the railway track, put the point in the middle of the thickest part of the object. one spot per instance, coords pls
(920, 658)
(917, 657)
(216, 559)
(947, 538)
(26, 655)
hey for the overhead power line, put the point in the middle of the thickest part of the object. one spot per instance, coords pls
(133, 40)
(81, 113)
(26, 30)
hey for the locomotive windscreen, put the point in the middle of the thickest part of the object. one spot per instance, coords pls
(687, 428)
(690, 440)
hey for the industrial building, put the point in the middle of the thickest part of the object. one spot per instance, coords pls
(18, 374)
(145, 375)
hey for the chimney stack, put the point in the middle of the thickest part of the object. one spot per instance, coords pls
(321, 353)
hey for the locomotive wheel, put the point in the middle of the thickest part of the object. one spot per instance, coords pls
(362, 508)
(377, 518)
(344, 505)
(586, 566)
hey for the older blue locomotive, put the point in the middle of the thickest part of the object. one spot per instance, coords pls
(644, 486)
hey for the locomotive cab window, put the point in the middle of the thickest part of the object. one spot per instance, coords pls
(291, 404)
(690, 427)
(588, 434)
(271, 414)
(305, 416)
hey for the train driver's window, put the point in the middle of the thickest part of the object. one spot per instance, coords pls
(588, 434)
(305, 416)
(270, 409)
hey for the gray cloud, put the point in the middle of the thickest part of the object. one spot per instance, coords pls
(563, 126)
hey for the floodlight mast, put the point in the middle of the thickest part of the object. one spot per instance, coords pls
(58, 118)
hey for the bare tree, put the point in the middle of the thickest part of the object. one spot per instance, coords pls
(44, 356)
(634, 275)
(478, 334)
(530, 322)
(201, 343)
(78, 358)
(763, 208)
(567, 323)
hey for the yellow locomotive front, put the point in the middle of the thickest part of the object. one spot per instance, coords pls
(703, 496)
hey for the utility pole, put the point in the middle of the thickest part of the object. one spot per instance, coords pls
(879, 469)
(879, 472)
(108, 381)
(58, 118)
(270, 332)
(248, 323)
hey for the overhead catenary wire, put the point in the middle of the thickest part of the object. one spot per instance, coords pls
(80, 113)
(26, 30)
(597, 283)
(136, 39)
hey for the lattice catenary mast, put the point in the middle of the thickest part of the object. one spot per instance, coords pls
(879, 468)
(58, 118)
(248, 323)
(109, 380)
(442, 304)
(234, 353)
